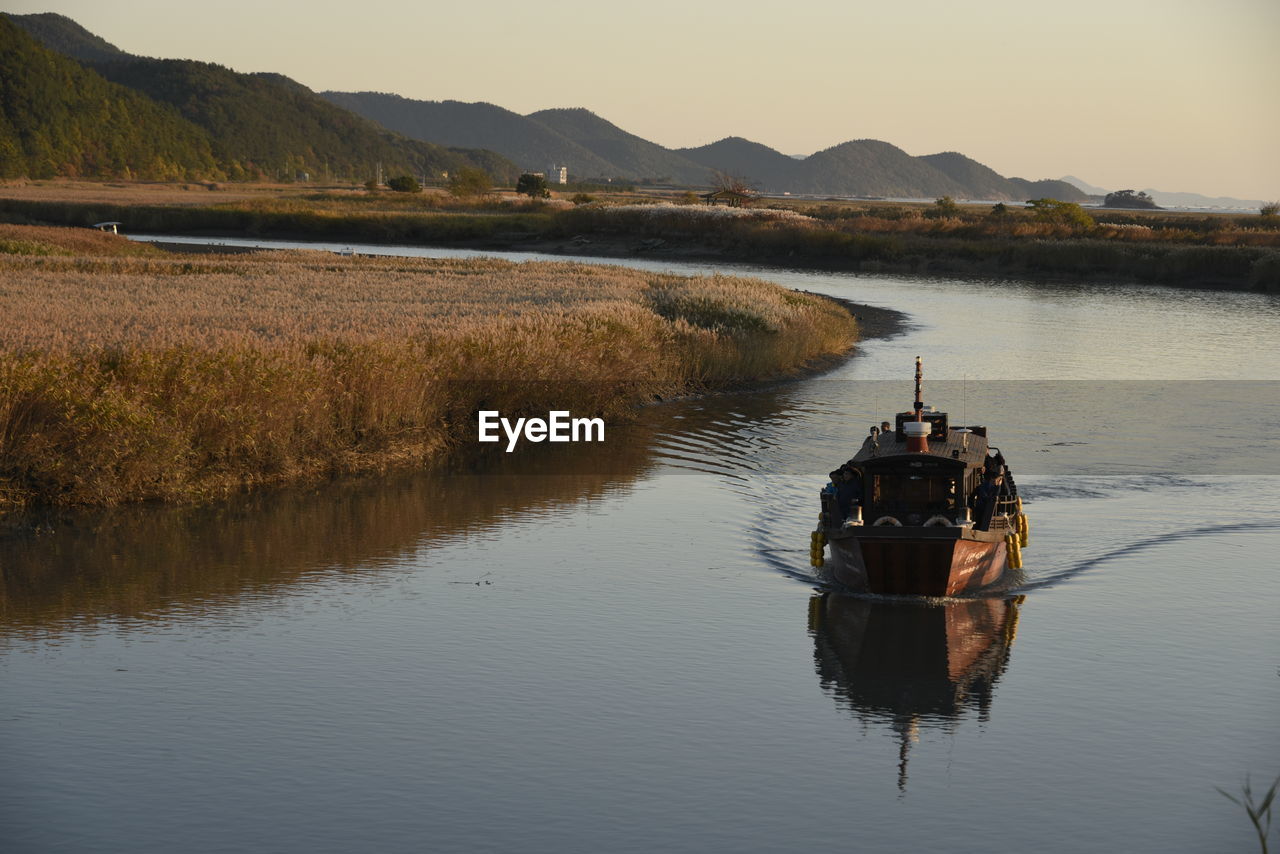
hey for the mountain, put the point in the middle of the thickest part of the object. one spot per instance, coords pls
(59, 118)
(255, 125)
(979, 181)
(636, 158)
(869, 167)
(63, 35)
(761, 166)
(1048, 189)
(529, 144)
(261, 123)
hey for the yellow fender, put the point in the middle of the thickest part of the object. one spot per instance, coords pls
(1015, 553)
(817, 542)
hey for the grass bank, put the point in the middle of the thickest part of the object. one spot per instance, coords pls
(1207, 251)
(132, 374)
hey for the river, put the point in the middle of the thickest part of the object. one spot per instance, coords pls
(623, 648)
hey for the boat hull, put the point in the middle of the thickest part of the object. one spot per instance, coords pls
(916, 561)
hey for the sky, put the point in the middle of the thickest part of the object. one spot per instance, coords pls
(1175, 95)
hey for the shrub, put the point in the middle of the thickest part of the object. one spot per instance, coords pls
(470, 181)
(532, 185)
(1061, 213)
(944, 207)
(404, 184)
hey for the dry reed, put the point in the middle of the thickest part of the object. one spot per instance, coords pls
(184, 376)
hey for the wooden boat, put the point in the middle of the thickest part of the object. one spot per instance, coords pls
(920, 521)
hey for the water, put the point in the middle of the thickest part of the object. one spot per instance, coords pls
(622, 648)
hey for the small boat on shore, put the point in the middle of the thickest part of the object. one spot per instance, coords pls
(923, 509)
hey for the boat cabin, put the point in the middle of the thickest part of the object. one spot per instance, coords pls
(914, 487)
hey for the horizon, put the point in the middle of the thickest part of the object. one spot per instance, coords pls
(1137, 96)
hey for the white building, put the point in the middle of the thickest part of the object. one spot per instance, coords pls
(558, 175)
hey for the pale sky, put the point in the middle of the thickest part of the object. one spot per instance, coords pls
(1177, 95)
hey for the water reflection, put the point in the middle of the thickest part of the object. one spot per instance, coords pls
(61, 570)
(72, 569)
(905, 663)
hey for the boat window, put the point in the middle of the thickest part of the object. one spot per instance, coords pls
(914, 492)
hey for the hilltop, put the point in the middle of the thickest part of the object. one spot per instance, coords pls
(526, 142)
(78, 106)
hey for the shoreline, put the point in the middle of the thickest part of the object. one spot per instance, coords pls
(1018, 247)
(940, 265)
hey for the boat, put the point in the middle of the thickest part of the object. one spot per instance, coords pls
(926, 509)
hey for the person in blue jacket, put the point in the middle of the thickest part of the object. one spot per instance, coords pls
(848, 490)
(985, 498)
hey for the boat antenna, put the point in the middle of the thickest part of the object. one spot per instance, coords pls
(919, 401)
(964, 400)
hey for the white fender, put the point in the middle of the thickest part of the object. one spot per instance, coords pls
(887, 520)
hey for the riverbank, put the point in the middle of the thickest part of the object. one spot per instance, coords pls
(138, 374)
(1055, 243)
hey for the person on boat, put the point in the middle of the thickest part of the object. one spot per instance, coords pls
(985, 498)
(848, 490)
(886, 428)
(994, 463)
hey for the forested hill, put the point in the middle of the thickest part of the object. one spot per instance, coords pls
(187, 119)
(269, 126)
(59, 118)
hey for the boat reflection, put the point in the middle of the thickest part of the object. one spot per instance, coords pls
(904, 663)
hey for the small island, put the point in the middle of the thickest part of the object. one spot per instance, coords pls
(1131, 200)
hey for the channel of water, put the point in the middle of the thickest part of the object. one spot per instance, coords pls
(623, 647)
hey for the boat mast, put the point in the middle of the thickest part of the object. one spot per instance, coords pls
(918, 432)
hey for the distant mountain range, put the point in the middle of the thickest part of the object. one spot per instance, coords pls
(74, 104)
(1166, 199)
(594, 149)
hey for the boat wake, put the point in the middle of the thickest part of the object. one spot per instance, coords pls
(1079, 524)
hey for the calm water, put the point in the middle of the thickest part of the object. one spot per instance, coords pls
(621, 648)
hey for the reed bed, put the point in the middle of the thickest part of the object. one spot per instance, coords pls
(1197, 251)
(163, 376)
